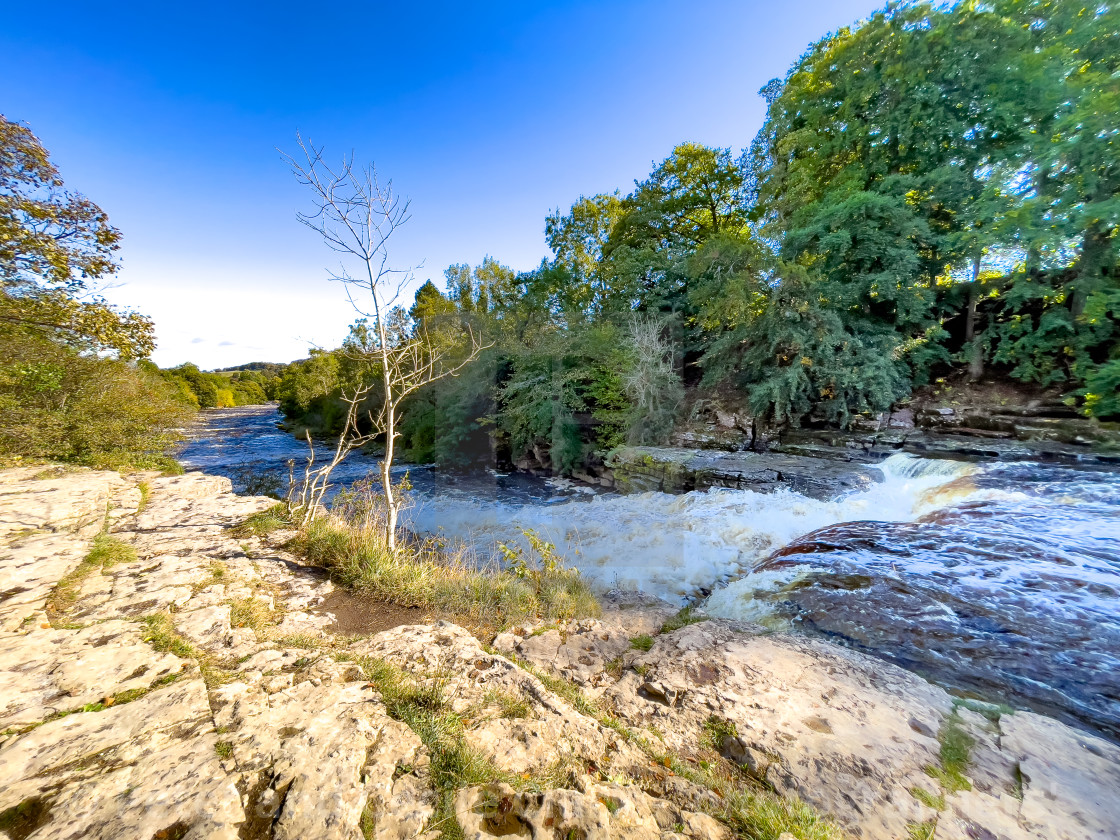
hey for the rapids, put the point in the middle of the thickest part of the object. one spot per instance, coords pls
(998, 580)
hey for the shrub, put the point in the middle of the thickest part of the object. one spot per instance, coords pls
(60, 404)
(351, 543)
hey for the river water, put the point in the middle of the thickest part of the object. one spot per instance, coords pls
(1000, 581)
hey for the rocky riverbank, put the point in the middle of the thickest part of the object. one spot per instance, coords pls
(728, 448)
(188, 684)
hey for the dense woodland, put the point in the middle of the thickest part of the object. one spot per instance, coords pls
(934, 193)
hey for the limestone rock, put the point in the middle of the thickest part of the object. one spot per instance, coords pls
(600, 812)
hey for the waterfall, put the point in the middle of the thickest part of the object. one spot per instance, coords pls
(677, 547)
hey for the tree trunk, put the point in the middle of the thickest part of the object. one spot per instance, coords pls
(976, 360)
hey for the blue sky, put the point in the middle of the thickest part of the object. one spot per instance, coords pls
(486, 115)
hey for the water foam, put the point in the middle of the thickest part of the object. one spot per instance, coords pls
(679, 546)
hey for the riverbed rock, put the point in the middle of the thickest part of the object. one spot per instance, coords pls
(640, 469)
(851, 735)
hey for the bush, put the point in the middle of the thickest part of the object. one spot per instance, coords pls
(351, 543)
(59, 404)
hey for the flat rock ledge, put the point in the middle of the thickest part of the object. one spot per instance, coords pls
(197, 691)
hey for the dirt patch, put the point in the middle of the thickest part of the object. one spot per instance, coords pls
(356, 614)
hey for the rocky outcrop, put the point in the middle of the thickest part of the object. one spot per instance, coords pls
(194, 691)
(858, 738)
(972, 424)
(638, 469)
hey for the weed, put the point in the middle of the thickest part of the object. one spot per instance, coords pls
(510, 705)
(642, 643)
(264, 522)
(717, 731)
(145, 489)
(921, 831)
(956, 744)
(105, 551)
(161, 634)
(300, 640)
(682, 619)
(254, 613)
(224, 749)
(927, 798)
(427, 576)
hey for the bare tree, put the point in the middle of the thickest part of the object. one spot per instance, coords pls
(356, 214)
(652, 383)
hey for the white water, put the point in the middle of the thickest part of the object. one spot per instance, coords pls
(678, 546)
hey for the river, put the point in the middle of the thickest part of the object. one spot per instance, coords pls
(999, 580)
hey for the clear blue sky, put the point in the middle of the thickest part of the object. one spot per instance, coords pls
(487, 115)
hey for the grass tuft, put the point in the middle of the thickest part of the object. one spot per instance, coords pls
(956, 745)
(105, 551)
(264, 522)
(643, 642)
(682, 619)
(145, 489)
(426, 576)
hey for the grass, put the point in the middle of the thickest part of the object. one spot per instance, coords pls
(956, 745)
(682, 619)
(253, 613)
(936, 802)
(145, 489)
(424, 708)
(750, 812)
(224, 749)
(509, 705)
(264, 522)
(922, 831)
(643, 642)
(716, 731)
(301, 640)
(161, 634)
(105, 551)
(425, 576)
(118, 699)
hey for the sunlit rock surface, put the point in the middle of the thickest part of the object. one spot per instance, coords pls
(155, 706)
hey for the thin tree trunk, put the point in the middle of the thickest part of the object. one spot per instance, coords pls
(976, 361)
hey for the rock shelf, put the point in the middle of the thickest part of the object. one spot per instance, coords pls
(195, 690)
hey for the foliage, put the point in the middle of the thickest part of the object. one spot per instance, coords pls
(218, 389)
(935, 187)
(351, 543)
(70, 386)
(54, 245)
(60, 404)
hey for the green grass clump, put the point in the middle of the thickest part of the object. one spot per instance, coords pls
(751, 812)
(424, 576)
(682, 619)
(927, 798)
(264, 522)
(253, 613)
(642, 642)
(105, 551)
(145, 489)
(956, 745)
(423, 706)
(716, 731)
(509, 705)
(161, 634)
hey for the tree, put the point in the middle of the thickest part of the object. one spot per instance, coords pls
(356, 215)
(54, 246)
